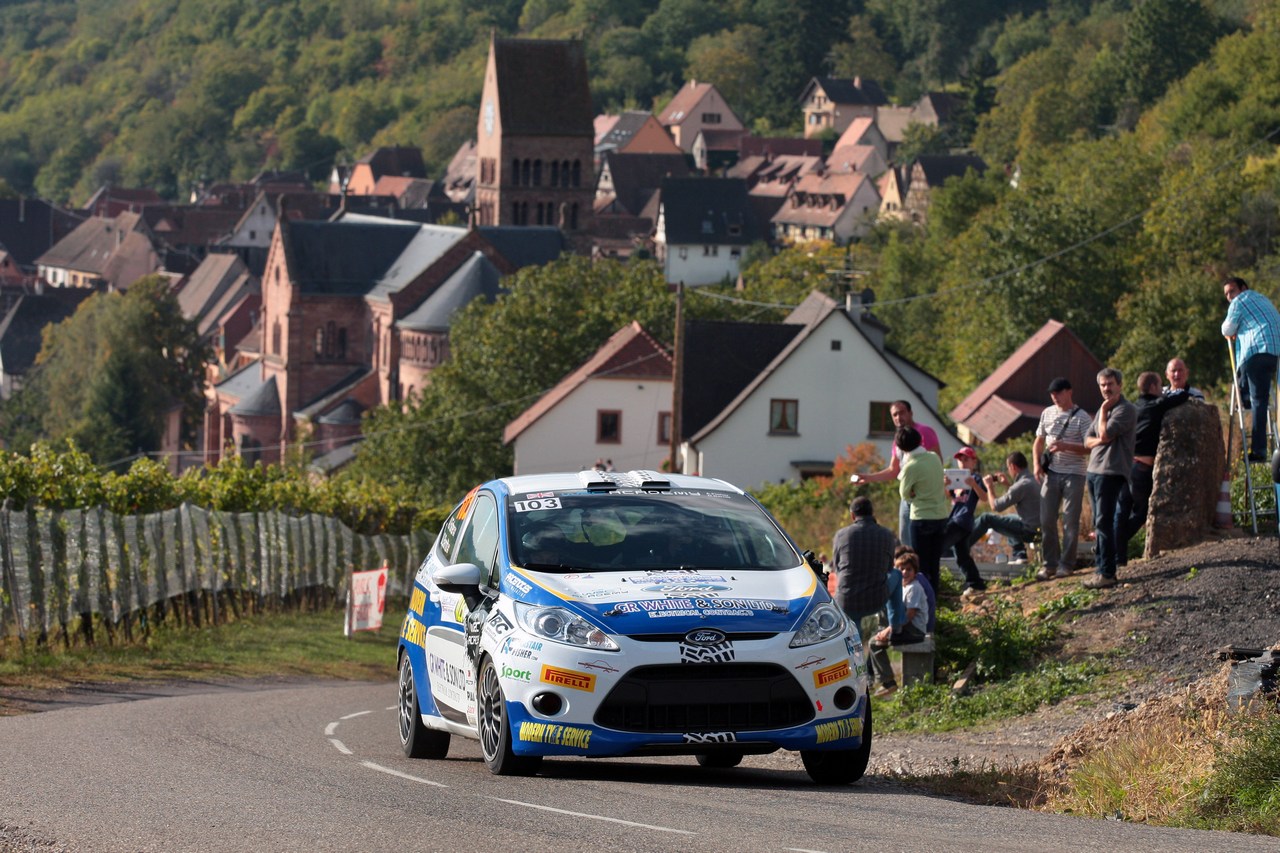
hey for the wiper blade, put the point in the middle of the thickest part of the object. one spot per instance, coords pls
(550, 567)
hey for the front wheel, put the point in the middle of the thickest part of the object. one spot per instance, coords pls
(495, 728)
(417, 740)
(840, 766)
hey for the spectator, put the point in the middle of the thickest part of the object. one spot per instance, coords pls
(929, 593)
(960, 522)
(915, 629)
(1110, 441)
(862, 554)
(902, 416)
(923, 485)
(1151, 405)
(1253, 327)
(1023, 495)
(1180, 379)
(1060, 459)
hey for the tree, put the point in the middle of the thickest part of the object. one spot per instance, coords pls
(108, 375)
(864, 54)
(1164, 40)
(730, 60)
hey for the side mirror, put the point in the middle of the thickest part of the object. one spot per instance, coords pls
(457, 577)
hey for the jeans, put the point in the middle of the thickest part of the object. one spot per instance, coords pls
(1105, 492)
(1067, 490)
(927, 533)
(904, 523)
(1256, 376)
(1133, 507)
(957, 537)
(1009, 525)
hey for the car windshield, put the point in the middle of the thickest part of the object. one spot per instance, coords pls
(654, 530)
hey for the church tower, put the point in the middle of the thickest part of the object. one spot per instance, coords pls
(535, 136)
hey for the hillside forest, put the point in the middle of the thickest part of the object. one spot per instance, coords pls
(1132, 152)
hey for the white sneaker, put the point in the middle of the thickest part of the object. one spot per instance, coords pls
(1018, 561)
(1046, 574)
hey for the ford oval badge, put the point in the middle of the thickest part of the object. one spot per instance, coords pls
(705, 637)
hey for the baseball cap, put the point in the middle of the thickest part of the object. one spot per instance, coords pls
(1059, 384)
(966, 452)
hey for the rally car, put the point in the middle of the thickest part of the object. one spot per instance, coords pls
(606, 614)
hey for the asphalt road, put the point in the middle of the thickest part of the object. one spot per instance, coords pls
(319, 768)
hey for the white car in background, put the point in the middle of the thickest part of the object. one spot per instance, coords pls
(608, 614)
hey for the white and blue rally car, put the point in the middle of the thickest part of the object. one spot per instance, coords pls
(607, 614)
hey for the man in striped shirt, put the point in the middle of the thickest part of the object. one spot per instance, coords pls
(1060, 461)
(1253, 325)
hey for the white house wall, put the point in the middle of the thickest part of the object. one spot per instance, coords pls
(834, 390)
(564, 439)
(697, 267)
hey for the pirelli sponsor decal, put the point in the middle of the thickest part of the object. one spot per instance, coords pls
(831, 674)
(584, 681)
(838, 730)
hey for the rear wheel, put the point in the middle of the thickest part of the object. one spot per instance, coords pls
(719, 759)
(495, 728)
(417, 740)
(840, 766)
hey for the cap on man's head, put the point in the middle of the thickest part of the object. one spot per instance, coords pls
(965, 453)
(1059, 384)
(861, 506)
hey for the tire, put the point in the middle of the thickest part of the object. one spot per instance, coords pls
(416, 739)
(840, 766)
(494, 727)
(719, 760)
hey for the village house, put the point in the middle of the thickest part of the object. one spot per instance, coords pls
(631, 132)
(704, 225)
(835, 206)
(696, 107)
(830, 103)
(929, 172)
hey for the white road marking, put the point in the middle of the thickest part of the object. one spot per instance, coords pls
(340, 746)
(391, 708)
(594, 817)
(356, 714)
(391, 772)
(330, 729)
(802, 850)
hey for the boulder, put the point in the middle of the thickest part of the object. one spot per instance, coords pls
(1187, 478)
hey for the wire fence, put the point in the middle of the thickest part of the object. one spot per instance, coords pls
(64, 571)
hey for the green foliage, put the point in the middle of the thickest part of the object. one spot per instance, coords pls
(1164, 39)
(108, 375)
(1242, 794)
(1000, 639)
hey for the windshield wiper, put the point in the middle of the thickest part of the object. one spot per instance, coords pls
(550, 567)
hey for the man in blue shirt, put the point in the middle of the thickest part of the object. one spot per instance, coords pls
(1253, 325)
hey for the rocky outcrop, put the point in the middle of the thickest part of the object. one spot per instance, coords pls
(1188, 478)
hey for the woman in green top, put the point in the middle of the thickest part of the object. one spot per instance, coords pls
(922, 482)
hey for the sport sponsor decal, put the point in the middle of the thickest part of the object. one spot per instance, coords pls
(417, 601)
(448, 673)
(539, 503)
(812, 660)
(497, 625)
(583, 681)
(832, 674)
(688, 588)
(518, 583)
(550, 733)
(671, 576)
(514, 674)
(535, 495)
(710, 737)
(838, 730)
(520, 649)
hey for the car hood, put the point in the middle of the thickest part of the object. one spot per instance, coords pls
(663, 602)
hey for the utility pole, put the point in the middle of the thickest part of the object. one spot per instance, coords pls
(677, 378)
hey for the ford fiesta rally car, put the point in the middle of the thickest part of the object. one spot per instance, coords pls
(608, 614)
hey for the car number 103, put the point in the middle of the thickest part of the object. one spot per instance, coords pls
(541, 503)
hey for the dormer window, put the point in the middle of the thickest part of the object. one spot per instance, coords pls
(735, 230)
(708, 227)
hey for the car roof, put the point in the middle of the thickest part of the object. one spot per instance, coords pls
(595, 479)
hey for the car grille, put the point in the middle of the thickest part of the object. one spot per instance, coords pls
(705, 697)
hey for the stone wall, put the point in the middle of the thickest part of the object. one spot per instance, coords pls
(1188, 478)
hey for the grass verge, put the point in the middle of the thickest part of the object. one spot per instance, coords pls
(270, 645)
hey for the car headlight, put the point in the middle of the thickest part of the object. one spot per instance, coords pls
(825, 622)
(562, 626)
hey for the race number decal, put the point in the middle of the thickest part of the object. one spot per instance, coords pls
(540, 503)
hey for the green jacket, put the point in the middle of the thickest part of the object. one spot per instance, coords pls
(923, 484)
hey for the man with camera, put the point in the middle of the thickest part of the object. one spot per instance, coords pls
(1060, 462)
(1023, 495)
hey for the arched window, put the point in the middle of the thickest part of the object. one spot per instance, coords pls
(577, 173)
(573, 217)
(330, 338)
(342, 343)
(319, 343)
(555, 173)
(564, 173)
(515, 172)
(524, 174)
(515, 213)
(537, 173)
(275, 337)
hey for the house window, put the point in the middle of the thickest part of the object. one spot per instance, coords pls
(319, 343)
(608, 426)
(881, 420)
(735, 253)
(664, 429)
(711, 118)
(782, 417)
(837, 345)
